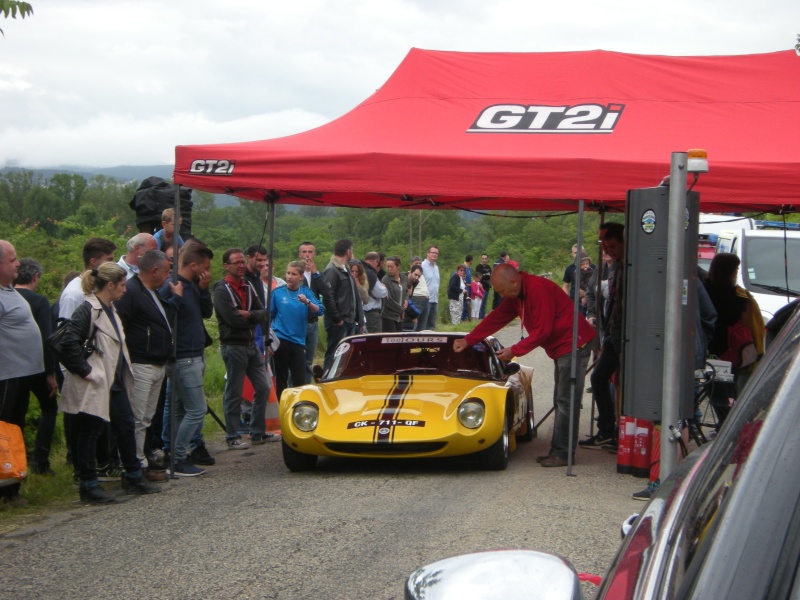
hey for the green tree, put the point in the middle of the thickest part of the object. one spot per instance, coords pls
(12, 7)
(43, 208)
(15, 185)
(70, 188)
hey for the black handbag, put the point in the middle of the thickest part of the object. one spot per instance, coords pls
(56, 341)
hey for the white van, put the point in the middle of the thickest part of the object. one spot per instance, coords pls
(762, 271)
(709, 228)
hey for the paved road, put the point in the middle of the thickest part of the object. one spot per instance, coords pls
(350, 530)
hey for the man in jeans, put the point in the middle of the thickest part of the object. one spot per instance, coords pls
(193, 300)
(238, 311)
(547, 314)
(377, 292)
(430, 270)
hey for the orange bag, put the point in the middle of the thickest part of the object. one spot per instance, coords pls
(13, 460)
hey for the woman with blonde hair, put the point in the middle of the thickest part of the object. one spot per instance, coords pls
(290, 309)
(99, 383)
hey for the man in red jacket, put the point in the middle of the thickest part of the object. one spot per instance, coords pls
(546, 314)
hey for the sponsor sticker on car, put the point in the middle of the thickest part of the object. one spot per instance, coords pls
(385, 423)
(415, 340)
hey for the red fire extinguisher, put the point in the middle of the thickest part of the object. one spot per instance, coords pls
(625, 436)
(640, 464)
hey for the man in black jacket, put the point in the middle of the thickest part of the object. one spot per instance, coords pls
(255, 259)
(484, 269)
(238, 311)
(343, 320)
(193, 301)
(147, 319)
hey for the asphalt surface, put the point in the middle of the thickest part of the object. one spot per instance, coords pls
(352, 529)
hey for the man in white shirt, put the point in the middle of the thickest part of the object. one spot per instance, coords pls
(136, 247)
(430, 271)
(96, 251)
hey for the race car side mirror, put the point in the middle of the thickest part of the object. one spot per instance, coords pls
(512, 368)
(496, 574)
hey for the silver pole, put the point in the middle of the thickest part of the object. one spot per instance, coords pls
(671, 385)
(573, 369)
(173, 418)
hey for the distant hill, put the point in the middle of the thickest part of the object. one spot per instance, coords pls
(123, 174)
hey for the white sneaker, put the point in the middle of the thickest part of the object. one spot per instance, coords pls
(237, 444)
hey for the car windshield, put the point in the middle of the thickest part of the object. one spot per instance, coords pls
(410, 354)
(763, 265)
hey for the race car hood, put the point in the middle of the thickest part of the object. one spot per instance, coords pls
(384, 396)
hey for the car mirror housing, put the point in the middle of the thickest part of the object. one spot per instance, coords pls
(512, 368)
(496, 574)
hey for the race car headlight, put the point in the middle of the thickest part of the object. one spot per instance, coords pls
(471, 413)
(305, 416)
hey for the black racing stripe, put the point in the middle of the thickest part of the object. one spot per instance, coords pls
(392, 405)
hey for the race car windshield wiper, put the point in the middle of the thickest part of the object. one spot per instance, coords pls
(777, 289)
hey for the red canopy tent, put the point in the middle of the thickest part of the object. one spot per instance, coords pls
(537, 131)
(533, 131)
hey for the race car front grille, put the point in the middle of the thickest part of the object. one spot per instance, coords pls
(402, 448)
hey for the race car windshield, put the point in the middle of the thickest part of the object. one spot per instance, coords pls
(395, 355)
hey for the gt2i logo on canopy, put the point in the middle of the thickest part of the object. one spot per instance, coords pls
(212, 167)
(518, 118)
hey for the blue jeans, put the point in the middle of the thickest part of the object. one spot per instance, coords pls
(484, 301)
(191, 401)
(336, 333)
(312, 337)
(433, 310)
(563, 367)
(421, 302)
(241, 361)
(197, 440)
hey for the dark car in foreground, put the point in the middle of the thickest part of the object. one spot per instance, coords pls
(724, 524)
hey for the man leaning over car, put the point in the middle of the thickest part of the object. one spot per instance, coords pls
(546, 313)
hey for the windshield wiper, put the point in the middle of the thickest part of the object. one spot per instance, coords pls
(777, 289)
(417, 370)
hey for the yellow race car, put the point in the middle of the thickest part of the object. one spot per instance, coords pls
(407, 395)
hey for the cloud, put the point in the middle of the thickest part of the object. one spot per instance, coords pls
(124, 82)
(112, 139)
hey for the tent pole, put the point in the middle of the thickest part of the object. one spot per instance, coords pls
(598, 300)
(270, 199)
(573, 369)
(673, 336)
(176, 220)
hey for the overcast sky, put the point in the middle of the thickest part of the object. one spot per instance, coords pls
(113, 82)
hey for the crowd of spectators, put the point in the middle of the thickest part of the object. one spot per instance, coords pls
(127, 319)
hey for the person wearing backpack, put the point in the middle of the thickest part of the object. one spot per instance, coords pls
(739, 331)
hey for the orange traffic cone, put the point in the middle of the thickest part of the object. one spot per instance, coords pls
(273, 422)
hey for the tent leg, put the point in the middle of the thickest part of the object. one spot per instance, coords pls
(173, 358)
(574, 362)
